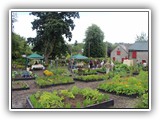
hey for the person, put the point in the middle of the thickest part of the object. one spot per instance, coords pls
(102, 63)
(112, 65)
(36, 62)
(91, 64)
(108, 66)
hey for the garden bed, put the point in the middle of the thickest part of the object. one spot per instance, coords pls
(120, 94)
(128, 86)
(54, 80)
(19, 86)
(22, 78)
(56, 84)
(91, 80)
(85, 98)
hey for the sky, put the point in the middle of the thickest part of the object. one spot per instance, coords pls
(117, 26)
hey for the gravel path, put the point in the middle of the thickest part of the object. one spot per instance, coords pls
(19, 97)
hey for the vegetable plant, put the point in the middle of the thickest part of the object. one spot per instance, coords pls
(67, 98)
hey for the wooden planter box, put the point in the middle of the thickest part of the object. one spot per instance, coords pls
(114, 93)
(56, 84)
(31, 78)
(102, 105)
(104, 72)
(21, 88)
(76, 79)
(16, 89)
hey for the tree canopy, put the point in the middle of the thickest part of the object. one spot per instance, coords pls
(142, 37)
(19, 46)
(94, 45)
(50, 27)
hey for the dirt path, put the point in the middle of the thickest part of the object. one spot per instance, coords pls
(19, 97)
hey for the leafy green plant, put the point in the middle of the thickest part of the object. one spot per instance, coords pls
(67, 93)
(78, 105)
(68, 105)
(90, 77)
(61, 99)
(51, 100)
(143, 102)
(129, 85)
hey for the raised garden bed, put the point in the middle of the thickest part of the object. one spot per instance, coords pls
(85, 98)
(17, 85)
(55, 84)
(22, 78)
(89, 78)
(23, 75)
(120, 94)
(128, 86)
(54, 80)
(85, 72)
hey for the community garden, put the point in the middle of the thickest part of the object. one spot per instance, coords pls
(80, 88)
(49, 73)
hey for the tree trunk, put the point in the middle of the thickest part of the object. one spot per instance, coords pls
(46, 58)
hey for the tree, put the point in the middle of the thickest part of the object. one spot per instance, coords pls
(50, 27)
(110, 47)
(19, 46)
(142, 37)
(94, 46)
(14, 19)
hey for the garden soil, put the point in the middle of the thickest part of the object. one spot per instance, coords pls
(18, 98)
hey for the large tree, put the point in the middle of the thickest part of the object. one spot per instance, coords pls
(94, 46)
(19, 46)
(50, 27)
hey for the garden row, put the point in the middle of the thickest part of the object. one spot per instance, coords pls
(115, 82)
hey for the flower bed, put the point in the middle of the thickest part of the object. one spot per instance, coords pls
(72, 98)
(89, 78)
(17, 85)
(23, 75)
(53, 80)
(127, 86)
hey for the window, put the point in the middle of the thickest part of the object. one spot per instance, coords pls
(114, 58)
(143, 61)
(118, 52)
(134, 54)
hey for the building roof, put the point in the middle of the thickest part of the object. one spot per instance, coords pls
(125, 46)
(139, 45)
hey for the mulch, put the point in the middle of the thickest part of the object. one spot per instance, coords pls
(18, 98)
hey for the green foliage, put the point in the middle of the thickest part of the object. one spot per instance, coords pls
(19, 46)
(75, 90)
(67, 105)
(90, 77)
(56, 99)
(18, 84)
(51, 100)
(94, 46)
(67, 93)
(50, 27)
(86, 72)
(143, 102)
(129, 85)
(55, 79)
(60, 71)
